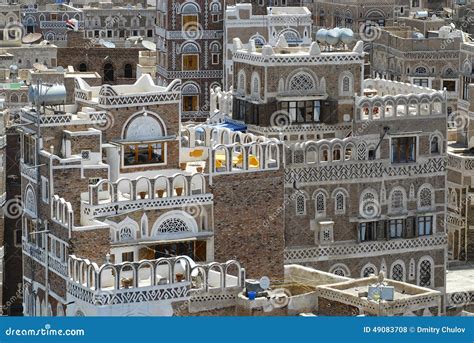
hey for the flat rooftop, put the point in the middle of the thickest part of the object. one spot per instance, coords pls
(460, 278)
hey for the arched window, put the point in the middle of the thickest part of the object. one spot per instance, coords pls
(425, 197)
(256, 85)
(397, 272)
(302, 82)
(173, 225)
(128, 71)
(126, 234)
(340, 203)
(82, 67)
(108, 72)
(340, 269)
(421, 71)
(397, 201)
(434, 145)
(300, 204)
(368, 270)
(320, 204)
(241, 82)
(425, 273)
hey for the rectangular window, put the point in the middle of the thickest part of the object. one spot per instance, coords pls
(404, 150)
(127, 256)
(137, 154)
(190, 62)
(396, 228)
(302, 111)
(190, 22)
(420, 82)
(190, 103)
(425, 226)
(450, 85)
(215, 58)
(149, 33)
(29, 150)
(367, 231)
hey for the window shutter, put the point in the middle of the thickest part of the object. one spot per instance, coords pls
(381, 234)
(410, 227)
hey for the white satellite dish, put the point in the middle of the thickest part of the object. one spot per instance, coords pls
(264, 282)
(135, 39)
(107, 44)
(149, 45)
(60, 69)
(40, 67)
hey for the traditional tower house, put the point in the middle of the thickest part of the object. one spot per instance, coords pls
(189, 47)
(122, 204)
(365, 173)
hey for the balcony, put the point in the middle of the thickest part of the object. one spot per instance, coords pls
(111, 198)
(164, 280)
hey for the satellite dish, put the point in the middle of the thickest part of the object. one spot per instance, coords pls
(107, 44)
(60, 69)
(135, 39)
(149, 45)
(32, 38)
(264, 282)
(40, 67)
(127, 44)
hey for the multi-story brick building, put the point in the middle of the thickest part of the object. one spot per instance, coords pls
(405, 54)
(119, 180)
(294, 23)
(460, 164)
(365, 160)
(354, 14)
(189, 47)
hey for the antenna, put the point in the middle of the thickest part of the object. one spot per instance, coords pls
(264, 282)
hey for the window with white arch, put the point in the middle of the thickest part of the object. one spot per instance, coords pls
(302, 81)
(425, 272)
(147, 127)
(340, 269)
(300, 204)
(397, 272)
(255, 85)
(320, 200)
(340, 203)
(368, 270)
(173, 225)
(397, 201)
(241, 82)
(425, 197)
(346, 84)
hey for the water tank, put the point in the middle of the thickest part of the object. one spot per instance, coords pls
(321, 35)
(48, 95)
(347, 36)
(334, 36)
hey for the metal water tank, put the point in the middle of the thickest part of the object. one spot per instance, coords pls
(48, 95)
(321, 35)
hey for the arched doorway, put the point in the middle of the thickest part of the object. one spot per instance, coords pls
(128, 71)
(108, 72)
(82, 67)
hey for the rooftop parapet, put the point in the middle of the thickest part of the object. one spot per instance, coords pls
(167, 279)
(281, 54)
(143, 92)
(385, 99)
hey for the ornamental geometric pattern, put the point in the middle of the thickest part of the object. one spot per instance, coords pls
(137, 295)
(173, 225)
(323, 253)
(301, 81)
(362, 170)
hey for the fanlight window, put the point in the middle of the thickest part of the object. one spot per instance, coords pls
(421, 71)
(173, 225)
(126, 234)
(302, 82)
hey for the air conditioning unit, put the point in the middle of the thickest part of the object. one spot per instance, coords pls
(86, 154)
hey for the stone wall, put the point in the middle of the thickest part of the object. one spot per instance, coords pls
(249, 216)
